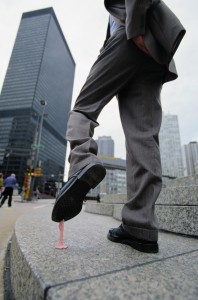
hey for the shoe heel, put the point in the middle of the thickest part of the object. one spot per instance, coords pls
(94, 175)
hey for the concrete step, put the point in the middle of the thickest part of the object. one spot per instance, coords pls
(105, 209)
(118, 198)
(112, 210)
(93, 267)
(176, 209)
(177, 219)
(181, 195)
(184, 181)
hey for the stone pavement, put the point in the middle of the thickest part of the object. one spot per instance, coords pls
(176, 208)
(93, 267)
(8, 217)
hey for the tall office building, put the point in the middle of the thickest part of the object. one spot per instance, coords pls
(190, 156)
(38, 83)
(170, 147)
(105, 146)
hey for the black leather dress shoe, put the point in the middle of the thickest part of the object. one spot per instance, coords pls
(70, 199)
(120, 235)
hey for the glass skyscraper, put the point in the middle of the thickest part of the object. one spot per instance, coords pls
(41, 67)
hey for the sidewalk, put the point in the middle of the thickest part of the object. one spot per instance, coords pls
(93, 267)
(8, 217)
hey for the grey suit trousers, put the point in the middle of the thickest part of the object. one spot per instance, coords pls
(122, 70)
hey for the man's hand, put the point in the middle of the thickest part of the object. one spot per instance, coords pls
(138, 40)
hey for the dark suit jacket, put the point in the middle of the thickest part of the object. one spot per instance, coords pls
(160, 28)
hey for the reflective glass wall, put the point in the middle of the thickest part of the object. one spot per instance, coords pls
(41, 68)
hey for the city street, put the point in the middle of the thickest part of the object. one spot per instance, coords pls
(8, 217)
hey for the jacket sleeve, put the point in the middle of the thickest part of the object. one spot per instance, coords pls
(136, 11)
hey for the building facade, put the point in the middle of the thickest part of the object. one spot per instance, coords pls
(170, 147)
(115, 179)
(41, 68)
(105, 146)
(190, 157)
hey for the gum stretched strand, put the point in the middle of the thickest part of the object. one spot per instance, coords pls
(60, 244)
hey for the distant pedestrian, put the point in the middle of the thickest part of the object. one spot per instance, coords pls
(36, 193)
(98, 198)
(9, 184)
(1, 184)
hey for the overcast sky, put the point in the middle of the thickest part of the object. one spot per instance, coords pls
(84, 26)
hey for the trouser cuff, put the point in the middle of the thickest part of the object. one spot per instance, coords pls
(150, 235)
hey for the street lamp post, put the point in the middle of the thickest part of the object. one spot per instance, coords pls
(7, 161)
(35, 163)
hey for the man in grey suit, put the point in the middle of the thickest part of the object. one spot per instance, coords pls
(133, 67)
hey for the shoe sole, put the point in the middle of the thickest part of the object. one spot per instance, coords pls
(69, 202)
(147, 248)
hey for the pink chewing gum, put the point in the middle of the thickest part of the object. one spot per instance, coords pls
(60, 244)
